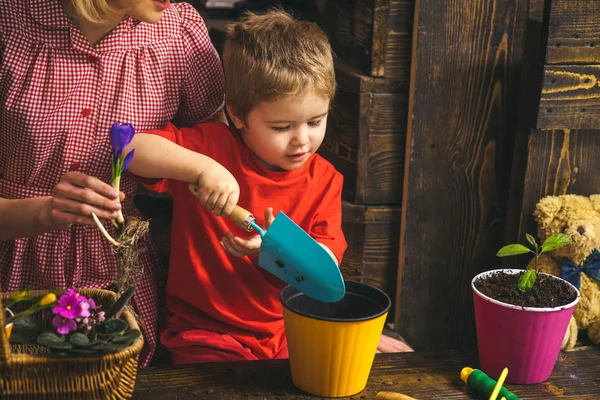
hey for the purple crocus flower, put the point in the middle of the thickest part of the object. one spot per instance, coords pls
(63, 325)
(68, 304)
(127, 159)
(120, 137)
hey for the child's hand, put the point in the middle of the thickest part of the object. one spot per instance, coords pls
(217, 190)
(239, 247)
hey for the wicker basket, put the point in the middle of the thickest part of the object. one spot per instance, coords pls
(31, 372)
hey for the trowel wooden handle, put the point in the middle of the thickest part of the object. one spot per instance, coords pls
(240, 216)
(393, 396)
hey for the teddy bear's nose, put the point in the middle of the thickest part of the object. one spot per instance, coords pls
(581, 230)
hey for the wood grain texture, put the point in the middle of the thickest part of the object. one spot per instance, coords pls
(373, 35)
(366, 136)
(573, 32)
(570, 97)
(559, 162)
(536, 10)
(462, 120)
(372, 236)
(421, 375)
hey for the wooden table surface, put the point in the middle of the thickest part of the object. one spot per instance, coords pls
(422, 375)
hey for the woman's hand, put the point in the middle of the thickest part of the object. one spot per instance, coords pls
(239, 247)
(74, 199)
(218, 190)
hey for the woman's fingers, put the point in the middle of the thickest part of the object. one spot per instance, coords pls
(89, 182)
(77, 195)
(94, 194)
(82, 208)
(84, 201)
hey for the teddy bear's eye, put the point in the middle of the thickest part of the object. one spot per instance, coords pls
(581, 230)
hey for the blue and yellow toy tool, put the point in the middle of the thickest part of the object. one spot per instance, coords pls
(485, 386)
(289, 253)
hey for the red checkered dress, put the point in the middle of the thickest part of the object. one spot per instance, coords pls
(59, 98)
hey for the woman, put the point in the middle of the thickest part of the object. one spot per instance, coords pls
(68, 70)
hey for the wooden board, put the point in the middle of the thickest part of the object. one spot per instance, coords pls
(557, 157)
(574, 32)
(558, 162)
(372, 236)
(373, 35)
(462, 119)
(421, 375)
(570, 97)
(536, 10)
(366, 136)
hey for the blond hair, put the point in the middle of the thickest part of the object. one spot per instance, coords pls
(271, 56)
(93, 11)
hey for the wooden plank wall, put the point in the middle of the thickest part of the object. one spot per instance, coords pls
(366, 136)
(366, 128)
(558, 148)
(462, 121)
(373, 35)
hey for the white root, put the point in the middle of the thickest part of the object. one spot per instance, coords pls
(104, 232)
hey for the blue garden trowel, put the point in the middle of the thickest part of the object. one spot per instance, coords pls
(290, 254)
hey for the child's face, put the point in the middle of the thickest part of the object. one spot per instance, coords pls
(148, 11)
(284, 134)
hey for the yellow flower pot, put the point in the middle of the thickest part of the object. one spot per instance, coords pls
(332, 345)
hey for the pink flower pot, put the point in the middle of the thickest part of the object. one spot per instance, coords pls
(526, 340)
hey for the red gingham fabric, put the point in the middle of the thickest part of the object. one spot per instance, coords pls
(59, 98)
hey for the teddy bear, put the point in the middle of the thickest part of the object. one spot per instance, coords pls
(579, 262)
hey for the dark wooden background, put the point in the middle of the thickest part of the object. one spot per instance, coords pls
(463, 104)
(558, 148)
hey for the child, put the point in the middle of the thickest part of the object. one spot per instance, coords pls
(279, 83)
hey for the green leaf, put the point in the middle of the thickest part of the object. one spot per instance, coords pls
(128, 337)
(527, 280)
(79, 339)
(29, 322)
(120, 303)
(556, 241)
(113, 326)
(513, 250)
(50, 339)
(531, 240)
(97, 344)
(62, 346)
(25, 330)
(27, 336)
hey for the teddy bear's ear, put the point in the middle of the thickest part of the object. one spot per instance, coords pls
(595, 200)
(546, 210)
